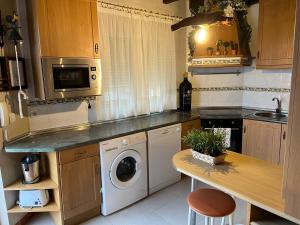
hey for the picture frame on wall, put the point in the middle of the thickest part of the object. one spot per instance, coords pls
(11, 64)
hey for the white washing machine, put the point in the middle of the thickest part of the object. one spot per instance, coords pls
(123, 172)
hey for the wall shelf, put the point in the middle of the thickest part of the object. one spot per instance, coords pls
(51, 207)
(45, 183)
(222, 69)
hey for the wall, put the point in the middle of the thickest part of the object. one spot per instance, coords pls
(50, 116)
(252, 88)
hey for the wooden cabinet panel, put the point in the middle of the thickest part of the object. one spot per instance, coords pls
(262, 140)
(188, 126)
(292, 156)
(68, 28)
(283, 143)
(276, 33)
(74, 154)
(80, 184)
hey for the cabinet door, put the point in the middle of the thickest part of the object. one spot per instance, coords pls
(276, 33)
(80, 186)
(283, 143)
(188, 126)
(69, 28)
(262, 140)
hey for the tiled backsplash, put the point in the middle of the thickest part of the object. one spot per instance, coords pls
(254, 88)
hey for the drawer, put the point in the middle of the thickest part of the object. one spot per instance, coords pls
(75, 154)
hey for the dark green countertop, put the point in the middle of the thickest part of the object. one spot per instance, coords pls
(65, 139)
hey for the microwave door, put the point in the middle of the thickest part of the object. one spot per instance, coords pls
(68, 78)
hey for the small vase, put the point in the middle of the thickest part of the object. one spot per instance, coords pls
(209, 159)
(233, 52)
(218, 52)
(209, 52)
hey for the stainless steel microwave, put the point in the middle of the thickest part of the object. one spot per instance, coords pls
(68, 78)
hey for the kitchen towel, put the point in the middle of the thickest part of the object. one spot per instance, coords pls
(227, 132)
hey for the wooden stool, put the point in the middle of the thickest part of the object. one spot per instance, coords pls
(210, 203)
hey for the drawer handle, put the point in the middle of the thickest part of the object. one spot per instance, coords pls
(96, 48)
(284, 135)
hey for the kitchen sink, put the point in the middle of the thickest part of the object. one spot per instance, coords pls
(271, 115)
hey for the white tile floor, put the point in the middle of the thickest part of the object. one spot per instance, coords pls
(166, 207)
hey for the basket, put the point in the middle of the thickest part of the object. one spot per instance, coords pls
(208, 159)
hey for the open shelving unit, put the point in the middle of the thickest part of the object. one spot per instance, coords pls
(261, 217)
(45, 183)
(50, 182)
(50, 207)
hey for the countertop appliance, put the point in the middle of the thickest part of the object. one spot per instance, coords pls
(33, 198)
(236, 127)
(31, 169)
(57, 78)
(123, 172)
(163, 144)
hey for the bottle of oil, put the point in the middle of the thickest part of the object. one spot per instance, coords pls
(185, 94)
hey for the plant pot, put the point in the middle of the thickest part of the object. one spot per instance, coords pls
(210, 52)
(233, 52)
(218, 52)
(208, 159)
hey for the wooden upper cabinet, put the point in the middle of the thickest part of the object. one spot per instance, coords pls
(262, 140)
(276, 34)
(67, 28)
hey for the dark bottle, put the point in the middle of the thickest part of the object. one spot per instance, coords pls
(185, 94)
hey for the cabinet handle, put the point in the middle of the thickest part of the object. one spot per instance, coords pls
(284, 135)
(96, 48)
(244, 129)
(258, 55)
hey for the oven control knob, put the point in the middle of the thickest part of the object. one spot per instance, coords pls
(94, 77)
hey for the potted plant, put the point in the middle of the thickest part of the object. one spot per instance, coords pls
(207, 146)
(210, 51)
(234, 48)
(226, 44)
(219, 44)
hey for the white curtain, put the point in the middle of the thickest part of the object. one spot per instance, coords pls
(138, 64)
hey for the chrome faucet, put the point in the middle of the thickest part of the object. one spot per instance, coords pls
(278, 109)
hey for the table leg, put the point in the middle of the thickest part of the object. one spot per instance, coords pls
(194, 185)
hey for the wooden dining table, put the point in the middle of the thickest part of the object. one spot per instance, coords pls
(257, 182)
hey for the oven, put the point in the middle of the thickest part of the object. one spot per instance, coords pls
(69, 78)
(236, 127)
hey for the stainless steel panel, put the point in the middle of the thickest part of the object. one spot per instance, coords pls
(48, 83)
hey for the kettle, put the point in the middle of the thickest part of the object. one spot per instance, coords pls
(31, 169)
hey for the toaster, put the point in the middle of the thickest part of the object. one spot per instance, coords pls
(33, 198)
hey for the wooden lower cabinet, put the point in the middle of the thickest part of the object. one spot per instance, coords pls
(262, 140)
(80, 184)
(188, 126)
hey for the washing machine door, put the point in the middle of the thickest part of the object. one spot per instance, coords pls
(126, 169)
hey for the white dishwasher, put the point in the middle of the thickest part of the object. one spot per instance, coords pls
(163, 143)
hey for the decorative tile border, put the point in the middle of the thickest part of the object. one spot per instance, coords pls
(253, 89)
(60, 101)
